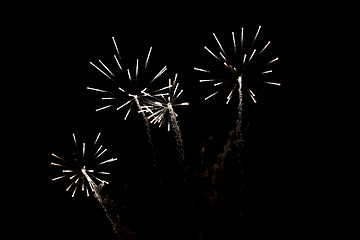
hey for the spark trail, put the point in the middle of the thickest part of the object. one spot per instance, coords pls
(240, 110)
(244, 67)
(84, 169)
(176, 128)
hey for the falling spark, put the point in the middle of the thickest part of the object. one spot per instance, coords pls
(117, 50)
(97, 90)
(100, 70)
(147, 58)
(211, 95)
(233, 37)
(257, 33)
(200, 69)
(217, 40)
(212, 53)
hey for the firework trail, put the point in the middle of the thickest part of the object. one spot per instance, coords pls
(162, 110)
(136, 87)
(244, 66)
(85, 170)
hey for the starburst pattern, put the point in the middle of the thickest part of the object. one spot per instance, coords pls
(244, 65)
(129, 84)
(162, 109)
(85, 169)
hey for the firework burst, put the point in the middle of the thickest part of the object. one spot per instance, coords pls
(243, 67)
(85, 169)
(162, 109)
(131, 84)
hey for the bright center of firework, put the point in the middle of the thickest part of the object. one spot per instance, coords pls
(83, 170)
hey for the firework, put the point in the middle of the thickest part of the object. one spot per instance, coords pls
(132, 84)
(244, 66)
(85, 168)
(162, 109)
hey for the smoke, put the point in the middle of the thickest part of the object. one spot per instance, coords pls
(239, 119)
(179, 141)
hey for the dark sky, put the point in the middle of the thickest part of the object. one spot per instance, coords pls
(65, 41)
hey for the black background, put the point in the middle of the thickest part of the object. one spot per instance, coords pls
(59, 45)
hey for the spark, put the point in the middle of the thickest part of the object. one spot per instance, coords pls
(257, 33)
(118, 63)
(102, 108)
(212, 53)
(97, 138)
(200, 69)
(217, 40)
(265, 47)
(147, 58)
(159, 74)
(211, 95)
(268, 71)
(54, 155)
(96, 89)
(101, 70)
(106, 68)
(128, 72)
(234, 42)
(273, 83)
(117, 50)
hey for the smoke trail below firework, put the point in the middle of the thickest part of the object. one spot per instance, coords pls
(148, 132)
(96, 190)
(179, 139)
(240, 111)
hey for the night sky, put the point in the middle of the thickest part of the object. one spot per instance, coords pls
(266, 200)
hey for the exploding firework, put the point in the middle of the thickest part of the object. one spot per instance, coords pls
(162, 109)
(85, 169)
(133, 85)
(243, 67)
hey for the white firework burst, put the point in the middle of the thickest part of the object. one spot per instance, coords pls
(162, 109)
(85, 168)
(244, 64)
(133, 84)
